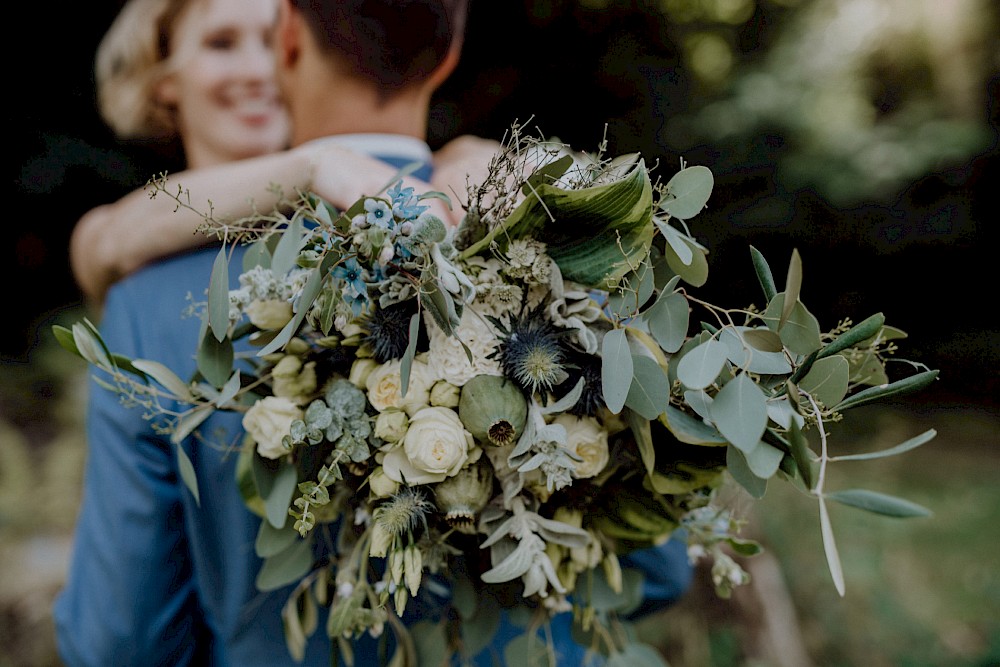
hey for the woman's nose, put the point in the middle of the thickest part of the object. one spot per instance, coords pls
(257, 61)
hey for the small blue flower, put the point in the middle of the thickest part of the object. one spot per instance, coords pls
(404, 203)
(353, 274)
(379, 213)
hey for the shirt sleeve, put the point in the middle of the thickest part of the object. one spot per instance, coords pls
(667, 574)
(129, 597)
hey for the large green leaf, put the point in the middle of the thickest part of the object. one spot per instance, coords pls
(668, 321)
(272, 541)
(879, 503)
(736, 464)
(740, 413)
(287, 250)
(616, 369)
(827, 380)
(694, 272)
(763, 460)
(595, 235)
(275, 481)
(904, 386)
(649, 392)
(690, 430)
(218, 296)
(698, 368)
(688, 192)
(800, 329)
(743, 355)
(286, 567)
(215, 358)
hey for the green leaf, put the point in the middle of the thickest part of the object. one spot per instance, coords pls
(676, 240)
(900, 387)
(215, 359)
(166, 377)
(406, 363)
(668, 320)
(827, 380)
(278, 498)
(526, 650)
(801, 454)
(286, 567)
(793, 286)
(764, 276)
(431, 643)
(743, 356)
(89, 345)
(694, 272)
(547, 174)
(229, 390)
(64, 337)
(878, 503)
(309, 294)
(763, 340)
(637, 655)
(830, 548)
(633, 291)
(649, 392)
(690, 430)
(800, 331)
(189, 421)
(271, 541)
(740, 471)
(912, 443)
(698, 368)
(763, 460)
(688, 192)
(616, 369)
(595, 234)
(740, 413)
(287, 251)
(257, 255)
(218, 296)
(860, 332)
(643, 440)
(188, 475)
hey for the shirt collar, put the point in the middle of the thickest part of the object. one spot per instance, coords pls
(378, 144)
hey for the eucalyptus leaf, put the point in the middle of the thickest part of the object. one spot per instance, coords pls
(278, 498)
(286, 567)
(739, 469)
(859, 333)
(912, 443)
(272, 541)
(187, 473)
(800, 331)
(688, 192)
(700, 402)
(793, 286)
(166, 377)
(649, 392)
(676, 241)
(898, 388)
(406, 363)
(803, 456)
(698, 368)
(763, 460)
(189, 421)
(742, 355)
(616, 369)
(740, 413)
(215, 359)
(690, 430)
(287, 251)
(830, 548)
(878, 503)
(764, 276)
(668, 321)
(218, 296)
(257, 255)
(827, 381)
(309, 293)
(695, 272)
(229, 390)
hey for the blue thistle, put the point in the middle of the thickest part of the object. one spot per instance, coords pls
(588, 367)
(531, 352)
(389, 331)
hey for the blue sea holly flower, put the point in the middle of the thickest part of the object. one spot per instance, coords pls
(378, 213)
(353, 274)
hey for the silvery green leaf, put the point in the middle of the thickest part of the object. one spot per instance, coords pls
(764, 340)
(90, 346)
(287, 250)
(691, 343)
(800, 332)
(166, 377)
(668, 321)
(912, 443)
(564, 403)
(698, 368)
(859, 333)
(676, 240)
(215, 358)
(782, 413)
(743, 356)
(218, 296)
(229, 390)
(879, 503)
(257, 255)
(763, 460)
(188, 422)
(700, 402)
(688, 192)
(642, 433)
(904, 386)
(309, 293)
(691, 430)
(286, 567)
(278, 498)
(827, 380)
(694, 272)
(830, 547)
(272, 541)
(649, 392)
(616, 369)
(740, 471)
(793, 286)
(739, 411)
(187, 473)
(406, 363)
(763, 274)
(805, 460)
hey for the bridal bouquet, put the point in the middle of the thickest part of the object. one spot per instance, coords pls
(513, 404)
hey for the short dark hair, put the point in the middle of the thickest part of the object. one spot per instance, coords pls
(391, 43)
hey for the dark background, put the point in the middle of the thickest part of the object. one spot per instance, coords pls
(920, 249)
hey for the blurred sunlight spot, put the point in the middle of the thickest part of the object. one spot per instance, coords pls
(733, 12)
(710, 56)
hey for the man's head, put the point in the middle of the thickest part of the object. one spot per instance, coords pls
(384, 54)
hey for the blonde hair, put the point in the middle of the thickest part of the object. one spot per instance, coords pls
(132, 59)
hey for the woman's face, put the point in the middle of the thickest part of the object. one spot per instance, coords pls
(222, 81)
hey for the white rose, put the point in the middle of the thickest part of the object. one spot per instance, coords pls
(293, 379)
(436, 446)
(360, 370)
(448, 357)
(391, 425)
(269, 314)
(380, 485)
(267, 421)
(587, 439)
(445, 395)
(383, 385)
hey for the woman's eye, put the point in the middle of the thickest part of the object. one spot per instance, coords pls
(220, 42)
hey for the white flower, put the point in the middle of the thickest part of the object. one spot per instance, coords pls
(360, 370)
(391, 425)
(384, 383)
(267, 421)
(269, 314)
(445, 395)
(436, 446)
(447, 356)
(587, 439)
(380, 485)
(293, 379)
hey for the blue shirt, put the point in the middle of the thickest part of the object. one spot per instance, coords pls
(156, 579)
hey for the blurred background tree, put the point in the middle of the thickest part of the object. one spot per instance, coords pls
(861, 132)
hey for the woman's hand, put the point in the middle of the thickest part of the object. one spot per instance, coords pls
(461, 162)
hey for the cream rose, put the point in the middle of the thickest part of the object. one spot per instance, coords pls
(360, 370)
(269, 314)
(587, 439)
(448, 357)
(391, 425)
(436, 446)
(268, 421)
(445, 395)
(293, 379)
(383, 385)
(380, 485)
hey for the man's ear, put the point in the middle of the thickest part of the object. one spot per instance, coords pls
(447, 66)
(288, 34)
